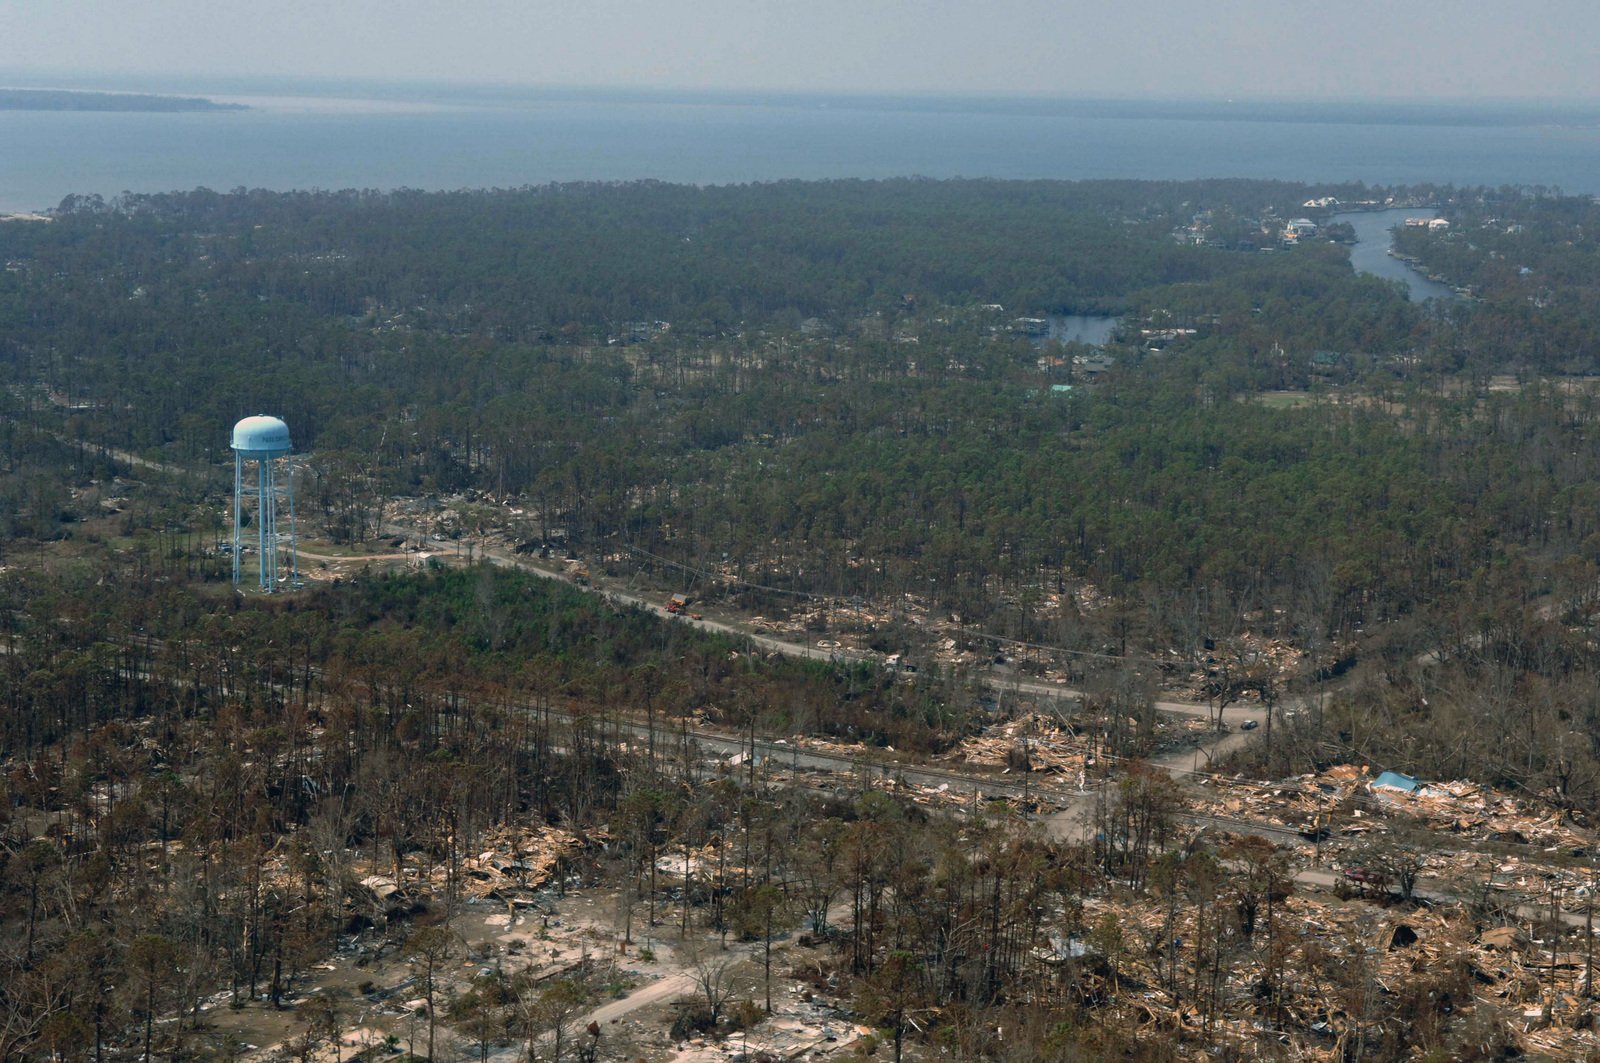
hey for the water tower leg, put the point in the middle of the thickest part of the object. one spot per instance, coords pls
(294, 545)
(269, 574)
(263, 522)
(238, 488)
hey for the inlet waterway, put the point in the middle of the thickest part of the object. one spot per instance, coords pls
(1371, 255)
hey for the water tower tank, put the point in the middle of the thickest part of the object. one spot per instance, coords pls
(261, 437)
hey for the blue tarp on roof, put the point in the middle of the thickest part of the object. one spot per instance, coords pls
(1393, 780)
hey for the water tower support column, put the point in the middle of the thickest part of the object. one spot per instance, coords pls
(267, 533)
(238, 505)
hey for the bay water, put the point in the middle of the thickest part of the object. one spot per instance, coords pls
(417, 137)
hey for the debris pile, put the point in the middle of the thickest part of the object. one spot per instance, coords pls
(1350, 800)
(1304, 803)
(1473, 811)
(1031, 742)
(512, 862)
(1243, 664)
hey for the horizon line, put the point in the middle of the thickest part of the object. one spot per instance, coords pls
(141, 82)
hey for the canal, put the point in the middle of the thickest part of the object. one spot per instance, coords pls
(1371, 251)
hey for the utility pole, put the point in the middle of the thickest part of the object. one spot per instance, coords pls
(1027, 772)
(1588, 934)
(1555, 942)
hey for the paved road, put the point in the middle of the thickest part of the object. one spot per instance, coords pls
(681, 984)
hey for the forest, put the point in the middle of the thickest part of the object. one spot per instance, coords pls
(786, 394)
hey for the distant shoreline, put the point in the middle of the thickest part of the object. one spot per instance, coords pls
(75, 100)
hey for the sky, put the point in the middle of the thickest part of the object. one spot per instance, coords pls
(1219, 49)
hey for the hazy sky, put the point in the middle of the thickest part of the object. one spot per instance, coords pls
(1114, 48)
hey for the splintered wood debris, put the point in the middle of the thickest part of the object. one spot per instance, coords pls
(510, 863)
(1345, 800)
(1243, 663)
(1030, 742)
(954, 796)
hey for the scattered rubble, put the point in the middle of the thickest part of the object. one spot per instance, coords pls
(1031, 742)
(1347, 801)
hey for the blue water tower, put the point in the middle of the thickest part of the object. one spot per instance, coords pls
(265, 441)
